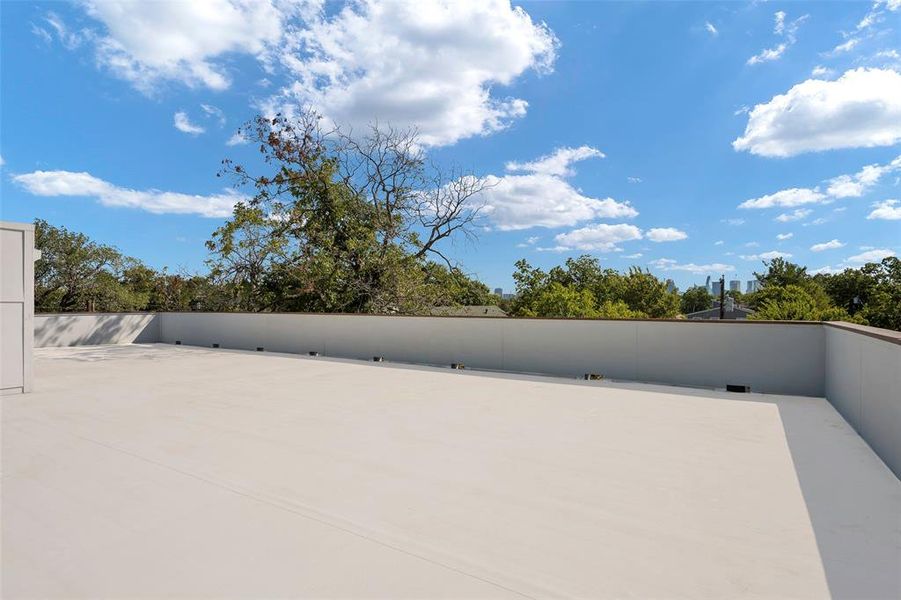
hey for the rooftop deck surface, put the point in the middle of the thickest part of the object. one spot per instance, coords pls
(154, 470)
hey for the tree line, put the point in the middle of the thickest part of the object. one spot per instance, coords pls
(360, 223)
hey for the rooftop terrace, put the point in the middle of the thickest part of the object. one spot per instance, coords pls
(158, 470)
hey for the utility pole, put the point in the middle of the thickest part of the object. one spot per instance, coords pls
(722, 297)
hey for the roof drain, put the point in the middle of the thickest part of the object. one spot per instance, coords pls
(215, 345)
(178, 342)
(593, 377)
(378, 359)
(741, 389)
(260, 348)
(313, 353)
(458, 366)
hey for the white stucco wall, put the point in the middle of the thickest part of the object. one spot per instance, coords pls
(863, 382)
(86, 329)
(769, 357)
(16, 306)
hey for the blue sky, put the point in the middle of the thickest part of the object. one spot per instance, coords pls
(686, 138)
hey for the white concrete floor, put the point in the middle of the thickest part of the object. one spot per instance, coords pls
(153, 470)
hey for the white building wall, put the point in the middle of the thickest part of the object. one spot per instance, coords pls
(863, 382)
(16, 306)
(92, 329)
(769, 357)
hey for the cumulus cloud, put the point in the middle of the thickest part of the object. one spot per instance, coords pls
(887, 210)
(856, 185)
(787, 31)
(184, 124)
(543, 198)
(600, 236)
(149, 42)
(558, 162)
(870, 256)
(862, 108)
(68, 183)
(795, 215)
(666, 234)
(668, 264)
(788, 198)
(429, 63)
(784, 236)
(766, 255)
(843, 186)
(524, 201)
(711, 29)
(830, 245)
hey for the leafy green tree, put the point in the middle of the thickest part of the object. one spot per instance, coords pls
(343, 223)
(75, 273)
(795, 303)
(557, 300)
(872, 293)
(694, 299)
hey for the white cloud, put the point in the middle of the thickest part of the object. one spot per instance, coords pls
(854, 186)
(2, 162)
(843, 186)
(600, 236)
(666, 234)
(718, 243)
(734, 222)
(558, 162)
(524, 201)
(149, 42)
(425, 63)
(668, 264)
(846, 46)
(788, 31)
(768, 54)
(785, 236)
(633, 256)
(887, 210)
(789, 198)
(711, 29)
(543, 198)
(68, 38)
(752, 245)
(830, 245)
(860, 109)
(870, 256)
(820, 71)
(766, 255)
(214, 113)
(68, 183)
(184, 124)
(795, 215)
(633, 179)
(236, 139)
(826, 270)
(530, 241)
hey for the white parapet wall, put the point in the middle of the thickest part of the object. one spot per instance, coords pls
(783, 358)
(863, 382)
(94, 329)
(16, 306)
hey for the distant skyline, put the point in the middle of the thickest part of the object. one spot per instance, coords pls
(691, 139)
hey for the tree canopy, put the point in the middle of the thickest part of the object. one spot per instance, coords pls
(361, 223)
